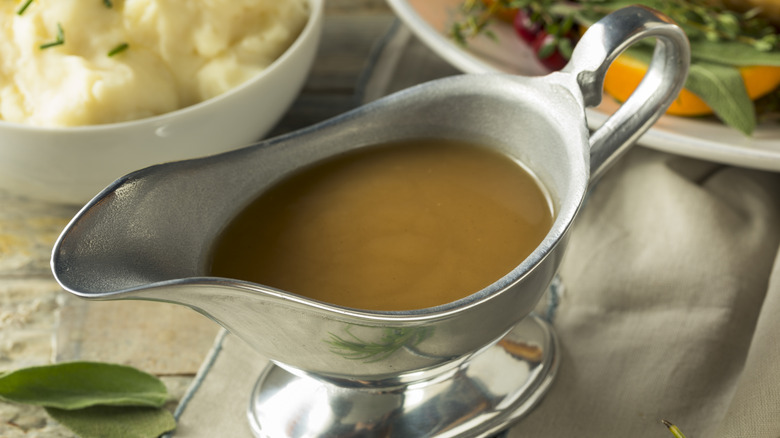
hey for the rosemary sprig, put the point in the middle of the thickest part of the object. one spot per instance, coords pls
(118, 49)
(58, 42)
(24, 7)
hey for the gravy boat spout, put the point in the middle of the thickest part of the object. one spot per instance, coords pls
(465, 368)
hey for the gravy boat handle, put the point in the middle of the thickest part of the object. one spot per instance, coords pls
(665, 77)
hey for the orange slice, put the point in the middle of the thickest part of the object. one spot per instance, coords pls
(626, 72)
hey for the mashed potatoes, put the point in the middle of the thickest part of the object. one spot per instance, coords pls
(178, 52)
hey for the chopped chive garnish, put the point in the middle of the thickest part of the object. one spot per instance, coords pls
(24, 7)
(120, 48)
(108, 3)
(58, 42)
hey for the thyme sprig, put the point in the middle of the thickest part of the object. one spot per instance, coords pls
(58, 42)
(713, 21)
(722, 41)
(708, 20)
(555, 18)
(476, 21)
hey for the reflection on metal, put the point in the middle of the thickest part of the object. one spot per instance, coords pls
(393, 339)
(480, 398)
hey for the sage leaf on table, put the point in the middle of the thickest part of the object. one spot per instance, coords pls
(115, 421)
(75, 385)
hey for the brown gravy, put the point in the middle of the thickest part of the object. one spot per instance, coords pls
(392, 227)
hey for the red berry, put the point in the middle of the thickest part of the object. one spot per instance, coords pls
(526, 28)
(545, 47)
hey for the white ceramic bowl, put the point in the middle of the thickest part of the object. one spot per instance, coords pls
(71, 165)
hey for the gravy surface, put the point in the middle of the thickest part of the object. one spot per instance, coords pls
(390, 227)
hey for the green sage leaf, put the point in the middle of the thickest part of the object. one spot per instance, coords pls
(115, 421)
(721, 87)
(732, 53)
(75, 385)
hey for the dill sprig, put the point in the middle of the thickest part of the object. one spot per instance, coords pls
(58, 42)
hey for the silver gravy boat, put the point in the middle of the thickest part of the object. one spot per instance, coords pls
(466, 368)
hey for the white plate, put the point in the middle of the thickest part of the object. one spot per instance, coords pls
(697, 138)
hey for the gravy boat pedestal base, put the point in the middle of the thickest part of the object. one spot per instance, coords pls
(482, 397)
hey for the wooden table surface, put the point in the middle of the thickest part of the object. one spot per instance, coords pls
(41, 324)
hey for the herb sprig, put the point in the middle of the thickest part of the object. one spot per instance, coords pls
(673, 429)
(710, 20)
(24, 7)
(118, 49)
(60, 36)
(58, 42)
(722, 40)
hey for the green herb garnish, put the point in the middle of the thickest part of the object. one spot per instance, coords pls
(721, 40)
(93, 399)
(118, 49)
(58, 42)
(673, 429)
(76, 385)
(24, 7)
(115, 421)
(108, 3)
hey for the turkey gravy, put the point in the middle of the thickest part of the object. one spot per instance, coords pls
(398, 226)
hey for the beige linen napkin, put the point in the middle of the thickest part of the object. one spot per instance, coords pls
(670, 307)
